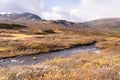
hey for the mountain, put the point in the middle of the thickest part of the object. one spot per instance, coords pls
(23, 16)
(105, 24)
(29, 19)
(68, 23)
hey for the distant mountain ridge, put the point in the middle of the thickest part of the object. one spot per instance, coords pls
(29, 18)
(35, 20)
(68, 23)
(19, 16)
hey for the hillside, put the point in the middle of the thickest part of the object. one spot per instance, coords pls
(105, 24)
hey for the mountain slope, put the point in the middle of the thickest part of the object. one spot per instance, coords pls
(68, 24)
(110, 23)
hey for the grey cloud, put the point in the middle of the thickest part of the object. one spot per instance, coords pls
(33, 6)
(84, 11)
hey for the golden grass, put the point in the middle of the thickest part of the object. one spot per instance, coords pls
(19, 44)
(77, 67)
(23, 42)
(103, 66)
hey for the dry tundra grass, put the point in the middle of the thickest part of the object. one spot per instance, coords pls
(17, 43)
(103, 66)
(77, 67)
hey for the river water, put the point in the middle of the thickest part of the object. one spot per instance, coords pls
(38, 58)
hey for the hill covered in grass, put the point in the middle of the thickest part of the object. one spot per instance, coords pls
(105, 24)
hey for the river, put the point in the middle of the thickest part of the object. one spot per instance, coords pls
(38, 58)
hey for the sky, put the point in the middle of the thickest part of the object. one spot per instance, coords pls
(71, 10)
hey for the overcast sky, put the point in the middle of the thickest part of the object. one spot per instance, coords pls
(72, 10)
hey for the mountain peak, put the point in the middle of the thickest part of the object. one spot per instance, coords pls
(2, 13)
(26, 16)
(30, 15)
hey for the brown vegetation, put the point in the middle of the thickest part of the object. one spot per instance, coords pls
(83, 67)
(19, 42)
(32, 41)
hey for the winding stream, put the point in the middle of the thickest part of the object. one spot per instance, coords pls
(37, 58)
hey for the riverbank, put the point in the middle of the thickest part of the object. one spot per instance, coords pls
(21, 44)
(77, 67)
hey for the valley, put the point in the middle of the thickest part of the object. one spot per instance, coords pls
(31, 47)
